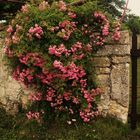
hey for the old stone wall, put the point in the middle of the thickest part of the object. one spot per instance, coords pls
(112, 69)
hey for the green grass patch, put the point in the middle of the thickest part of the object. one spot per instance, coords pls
(19, 128)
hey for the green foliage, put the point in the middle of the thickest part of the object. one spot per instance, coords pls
(114, 7)
(8, 9)
(50, 48)
(133, 23)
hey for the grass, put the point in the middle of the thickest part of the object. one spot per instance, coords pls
(18, 128)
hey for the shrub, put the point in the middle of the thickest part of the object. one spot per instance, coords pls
(50, 49)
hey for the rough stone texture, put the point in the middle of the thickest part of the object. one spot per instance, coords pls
(119, 83)
(103, 71)
(120, 59)
(118, 111)
(102, 62)
(123, 40)
(104, 83)
(112, 69)
(118, 50)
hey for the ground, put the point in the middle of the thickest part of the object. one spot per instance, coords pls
(19, 128)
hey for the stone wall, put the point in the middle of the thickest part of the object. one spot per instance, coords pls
(112, 69)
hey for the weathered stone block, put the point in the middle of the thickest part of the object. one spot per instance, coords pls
(104, 83)
(2, 94)
(102, 61)
(120, 59)
(110, 50)
(102, 70)
(103, 105)
(125, 38)
(118, 111)
(103, 80)
(120, 84)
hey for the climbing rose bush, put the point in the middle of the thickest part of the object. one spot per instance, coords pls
(50, 50)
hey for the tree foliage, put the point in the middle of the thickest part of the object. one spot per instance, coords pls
(133, 22)
(8, 9)
(114, 7)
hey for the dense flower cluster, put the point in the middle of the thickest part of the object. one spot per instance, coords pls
(102, 18)
(58, 50)
(25, 8)
(35, 97)
(45, 78)
(62, 6)
(7, 51)
(71, 71)
(71, 15)
(43, 5)
(23, 75)
(66, 29)
(117, 35)
(33, 115)
(50, 48)
(32, 58)
(35, 31)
